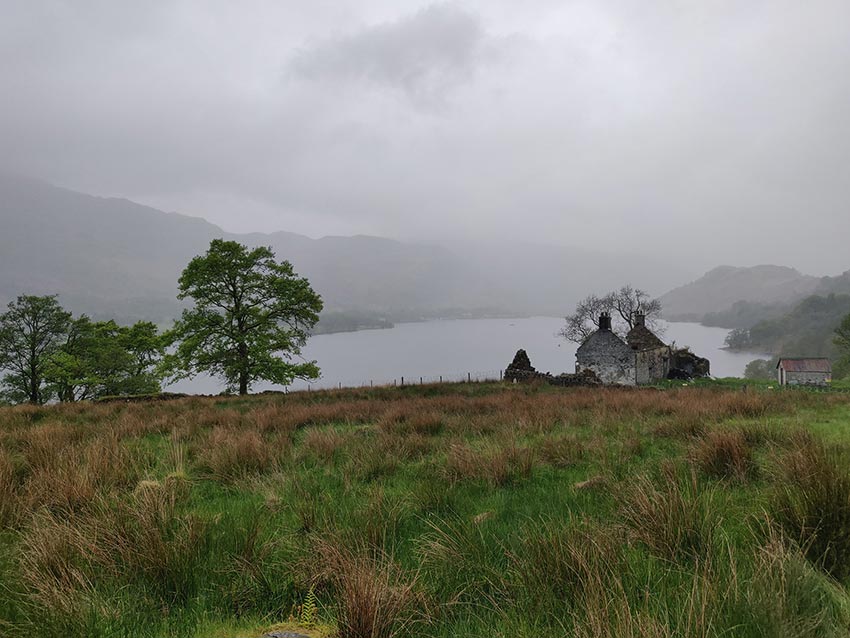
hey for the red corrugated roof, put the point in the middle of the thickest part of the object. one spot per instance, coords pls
(805, 365)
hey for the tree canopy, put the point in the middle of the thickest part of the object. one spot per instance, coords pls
(842, 342)
(48, 355)
(31, 331)
(101, 358)
(251, 317)
(623, 305)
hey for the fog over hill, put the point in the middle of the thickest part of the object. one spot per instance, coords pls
(721, 287)
(739, 297)
(113, 257)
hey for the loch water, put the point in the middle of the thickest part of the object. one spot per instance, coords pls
(461, 348)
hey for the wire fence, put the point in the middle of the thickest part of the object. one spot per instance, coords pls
(489, 376)
(480, 376)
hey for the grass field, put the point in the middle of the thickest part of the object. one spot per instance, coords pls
(451, 510)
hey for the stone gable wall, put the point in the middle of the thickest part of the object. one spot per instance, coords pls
(609, 357)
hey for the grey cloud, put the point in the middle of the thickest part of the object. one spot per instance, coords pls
(424, 54)
(633, 126)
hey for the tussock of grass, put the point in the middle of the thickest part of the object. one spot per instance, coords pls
(498, 465)
(229, 454)
(788, 596)
(375, 598)
(812, 505)
(725, 454)
(672, 515)
(560, 563)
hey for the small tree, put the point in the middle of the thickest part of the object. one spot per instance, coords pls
(623, 305)
(31, 331)
(763, 369)
(102, 359)
(252, 314)
(842, 342)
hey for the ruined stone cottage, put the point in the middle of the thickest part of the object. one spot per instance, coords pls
(642, 358)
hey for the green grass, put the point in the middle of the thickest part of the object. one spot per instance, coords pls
(449, 510)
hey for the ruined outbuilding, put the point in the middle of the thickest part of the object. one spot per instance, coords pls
(604, 358)
(520, 370)
(804, 371)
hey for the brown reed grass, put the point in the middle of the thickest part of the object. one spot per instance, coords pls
(229, 454)
(724, 454)
(374, 597)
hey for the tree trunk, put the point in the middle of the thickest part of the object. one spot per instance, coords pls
(243, 368)
(35, 399)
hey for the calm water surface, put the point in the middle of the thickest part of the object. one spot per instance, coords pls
(454, 348)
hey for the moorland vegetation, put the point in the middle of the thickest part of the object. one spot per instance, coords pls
(449, 510)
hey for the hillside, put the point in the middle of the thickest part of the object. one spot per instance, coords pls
(430, 511)
(719, 289)
(112, 257)
(806, 330)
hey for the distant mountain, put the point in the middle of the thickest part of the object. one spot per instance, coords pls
(756, 290)
(115, 258)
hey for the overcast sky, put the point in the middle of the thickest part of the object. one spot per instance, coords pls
(720, 127)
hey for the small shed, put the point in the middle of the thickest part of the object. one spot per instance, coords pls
(803, 371)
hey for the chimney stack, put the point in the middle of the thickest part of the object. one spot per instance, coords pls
(605, 322)
(640, 319)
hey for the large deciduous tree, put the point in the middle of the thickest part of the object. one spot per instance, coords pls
(251, 316)
(31, 331)
(623, 305)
